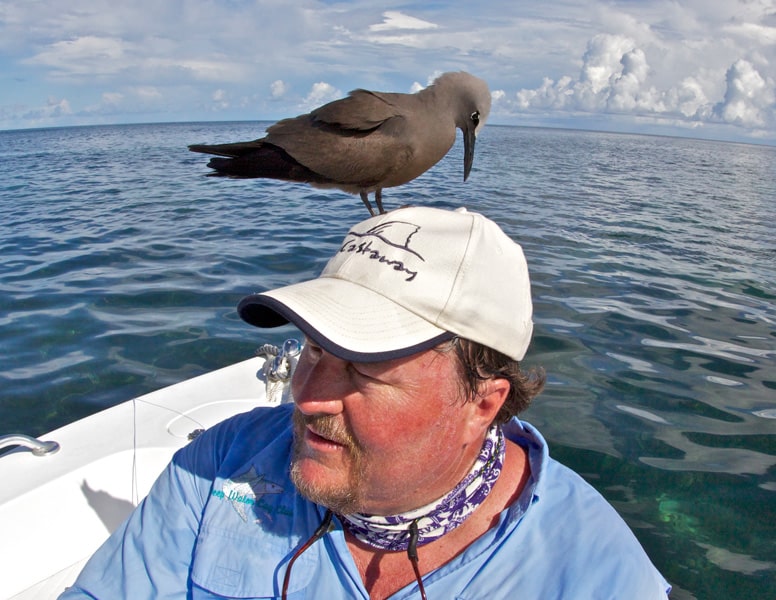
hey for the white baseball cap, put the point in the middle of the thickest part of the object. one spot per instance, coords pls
(405, 281)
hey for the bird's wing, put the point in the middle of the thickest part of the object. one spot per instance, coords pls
(357, 140)
(361, 110)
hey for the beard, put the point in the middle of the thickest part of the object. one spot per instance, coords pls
(342, 495)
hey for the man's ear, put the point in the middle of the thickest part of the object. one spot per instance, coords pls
(491, 395)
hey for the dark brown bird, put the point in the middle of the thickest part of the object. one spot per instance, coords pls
(364, 142)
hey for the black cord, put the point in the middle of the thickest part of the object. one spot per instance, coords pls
(412, 553)
(323, 528)
(318, 534)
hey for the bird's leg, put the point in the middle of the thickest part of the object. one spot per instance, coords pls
(379, 200)
(365, 198)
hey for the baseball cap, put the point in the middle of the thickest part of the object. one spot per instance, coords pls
(405, 281)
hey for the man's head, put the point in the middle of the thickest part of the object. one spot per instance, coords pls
(393, 397)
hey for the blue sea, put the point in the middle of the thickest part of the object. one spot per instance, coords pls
(654, 277)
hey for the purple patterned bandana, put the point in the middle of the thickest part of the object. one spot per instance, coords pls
(440, 517)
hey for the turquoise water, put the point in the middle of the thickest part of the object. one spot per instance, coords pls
(654, 276)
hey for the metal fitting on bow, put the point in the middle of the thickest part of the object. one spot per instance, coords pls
(279, 365)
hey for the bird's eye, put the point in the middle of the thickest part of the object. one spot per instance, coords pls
(476, 117)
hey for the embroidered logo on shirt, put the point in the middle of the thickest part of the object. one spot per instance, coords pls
(244, 491)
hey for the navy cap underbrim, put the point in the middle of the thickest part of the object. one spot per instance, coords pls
(264, 311)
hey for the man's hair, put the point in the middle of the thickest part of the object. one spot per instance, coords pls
(478, 363)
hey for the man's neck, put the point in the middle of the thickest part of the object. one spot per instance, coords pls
(384, 572)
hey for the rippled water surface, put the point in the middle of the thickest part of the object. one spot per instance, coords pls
(654, 277)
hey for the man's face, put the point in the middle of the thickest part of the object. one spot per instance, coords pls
(380, 438)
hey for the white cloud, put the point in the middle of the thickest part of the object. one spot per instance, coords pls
(629, 91)
(611, 78)
(112, 98)
(749, 98)
(220, 99)
(393, 20)
(402, 30)
(618, 60)
(320, 93)
(603, 60)
(764, 34)
(147, 93)
(86, 55)
(416, 87)
(689, 98)
(55, 108)
(615, 77)
(202, 70)
(278, 88)
(94, 56)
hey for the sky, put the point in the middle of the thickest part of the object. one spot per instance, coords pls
(694, 68)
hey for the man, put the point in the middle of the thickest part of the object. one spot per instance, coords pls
(400, 469)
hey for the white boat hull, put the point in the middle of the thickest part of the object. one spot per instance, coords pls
(56, 510)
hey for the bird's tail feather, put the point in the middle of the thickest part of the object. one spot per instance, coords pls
(268, 161)
(228, 150)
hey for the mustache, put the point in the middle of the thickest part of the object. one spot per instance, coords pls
(330, 427)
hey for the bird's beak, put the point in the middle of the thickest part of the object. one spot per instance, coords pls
(469, 137)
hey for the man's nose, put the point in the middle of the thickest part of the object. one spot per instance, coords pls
(320, 382)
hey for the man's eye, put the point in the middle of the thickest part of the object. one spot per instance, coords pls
(356, 371)
(360, 371)
(312, 349)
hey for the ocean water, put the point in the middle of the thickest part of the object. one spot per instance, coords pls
(654, 277)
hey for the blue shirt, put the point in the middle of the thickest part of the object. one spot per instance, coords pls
(223, 520)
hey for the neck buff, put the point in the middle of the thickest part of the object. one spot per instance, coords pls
(440, 517)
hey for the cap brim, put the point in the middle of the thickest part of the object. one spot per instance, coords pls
(345, 319)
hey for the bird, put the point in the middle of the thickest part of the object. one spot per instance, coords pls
(366, 141)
